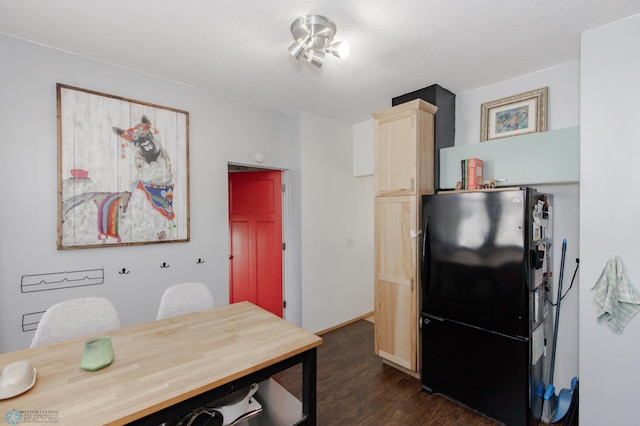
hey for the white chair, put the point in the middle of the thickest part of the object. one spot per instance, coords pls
(185, 298)
(76, 318)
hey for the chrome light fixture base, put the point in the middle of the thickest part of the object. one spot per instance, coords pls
(313, 36)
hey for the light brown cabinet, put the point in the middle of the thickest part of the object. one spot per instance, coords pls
(403, 152)
(403, 173)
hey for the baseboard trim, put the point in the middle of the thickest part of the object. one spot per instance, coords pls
(415, 374)
(335, 327)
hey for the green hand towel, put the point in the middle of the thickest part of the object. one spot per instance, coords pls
(616, 298)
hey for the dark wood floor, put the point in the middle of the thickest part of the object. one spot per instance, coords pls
(356, 388)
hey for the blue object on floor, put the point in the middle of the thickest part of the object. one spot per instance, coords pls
(564, 401)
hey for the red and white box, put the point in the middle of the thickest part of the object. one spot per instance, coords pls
(474, 173)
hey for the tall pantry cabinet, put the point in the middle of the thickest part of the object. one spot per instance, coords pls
(404, 152)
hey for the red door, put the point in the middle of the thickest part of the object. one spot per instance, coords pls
(255, 227)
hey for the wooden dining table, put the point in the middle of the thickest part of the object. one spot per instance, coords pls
(163, 369)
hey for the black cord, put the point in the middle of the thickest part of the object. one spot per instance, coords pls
(572, 279)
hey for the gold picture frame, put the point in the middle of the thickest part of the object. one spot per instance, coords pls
(515, 115)
(123, 171)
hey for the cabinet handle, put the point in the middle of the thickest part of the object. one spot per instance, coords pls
(413, 184)
(411, 284)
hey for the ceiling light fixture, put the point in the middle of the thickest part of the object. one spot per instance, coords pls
(313, 35)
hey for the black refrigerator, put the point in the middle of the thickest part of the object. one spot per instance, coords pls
(485, 275)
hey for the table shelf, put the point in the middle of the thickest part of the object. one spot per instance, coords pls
(279, 407)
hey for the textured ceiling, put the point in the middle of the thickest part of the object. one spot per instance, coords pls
(238, 48)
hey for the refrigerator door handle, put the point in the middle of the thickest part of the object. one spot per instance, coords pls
(425, 255)
(428, 317)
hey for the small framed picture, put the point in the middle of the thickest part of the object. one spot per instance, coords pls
(515, 115)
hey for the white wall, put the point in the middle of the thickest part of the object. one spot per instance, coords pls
(221, 131)
(218, 134)
(363, 157)
(337, 227)
(609, 209)
(564, 100)
(563, 107)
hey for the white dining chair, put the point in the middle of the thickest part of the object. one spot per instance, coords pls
(185, 298)
(76, 318)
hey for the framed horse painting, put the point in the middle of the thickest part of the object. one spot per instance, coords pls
(123, 171)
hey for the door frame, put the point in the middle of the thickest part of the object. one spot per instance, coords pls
(286, 224)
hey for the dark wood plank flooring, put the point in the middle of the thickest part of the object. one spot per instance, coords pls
(356, 388)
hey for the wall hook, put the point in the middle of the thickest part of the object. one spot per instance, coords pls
(164, 265)
(199, 261)
(123, 272)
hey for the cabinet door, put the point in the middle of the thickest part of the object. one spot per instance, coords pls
(395, 280)
(396, 154)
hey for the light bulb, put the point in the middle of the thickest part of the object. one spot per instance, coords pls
(339, 49)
